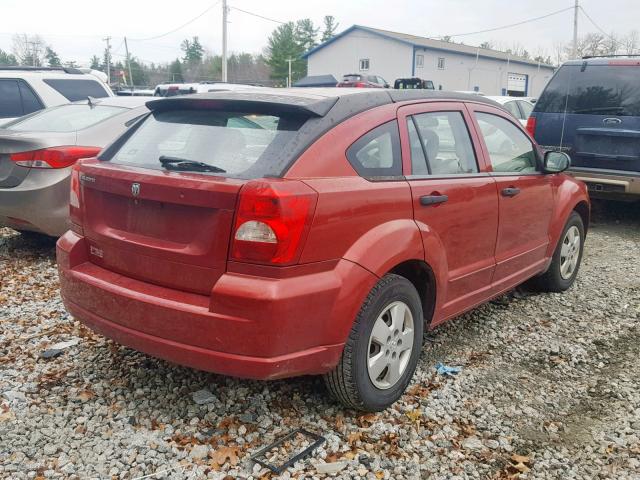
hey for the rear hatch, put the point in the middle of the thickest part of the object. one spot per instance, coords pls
(593, 113)
(158, 205)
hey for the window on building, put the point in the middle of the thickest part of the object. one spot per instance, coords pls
(364, 64)
(419, 61)
(440, 63)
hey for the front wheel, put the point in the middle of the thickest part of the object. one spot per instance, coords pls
(382, 351)
(566, 259)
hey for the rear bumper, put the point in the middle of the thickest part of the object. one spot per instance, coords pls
(611, 184)
(251, 327)
(40, 203)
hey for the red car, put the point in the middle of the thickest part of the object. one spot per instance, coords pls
(297, 232)
(356, 80)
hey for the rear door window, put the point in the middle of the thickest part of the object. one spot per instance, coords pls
(10, 104)
(74, 90)
(526, 108)
(377, 153)
(444, 139)
(244, 145)
(512, 108)
(596, 90)
(30, 103)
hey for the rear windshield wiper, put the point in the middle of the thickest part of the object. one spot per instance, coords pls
(176, 163)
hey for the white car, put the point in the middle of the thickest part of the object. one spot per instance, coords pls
(517, 106)
(25, 90)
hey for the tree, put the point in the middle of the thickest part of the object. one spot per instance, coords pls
(193, 50)
(29, 49)
(282, 46)
(330, 27)
(487, 45)
(7, 59)
(306, 34)
(94, 63)
(175, 71)
(52, 57)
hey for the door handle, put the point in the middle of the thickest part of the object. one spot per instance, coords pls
(510, 192)
(427, 200)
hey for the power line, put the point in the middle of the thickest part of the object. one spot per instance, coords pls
(535, 19)
(177, 28)
(613, 39)
(258, 15)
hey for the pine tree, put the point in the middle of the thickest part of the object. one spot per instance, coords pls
(193, 50)
(175, 71)
(94, 63)
(52, 57)
(330, 27)
(7, 58)
(282, 46)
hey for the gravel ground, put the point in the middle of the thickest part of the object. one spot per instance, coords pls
(549, 388)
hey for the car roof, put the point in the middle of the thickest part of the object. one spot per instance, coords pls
(125, 102)
(504, 99)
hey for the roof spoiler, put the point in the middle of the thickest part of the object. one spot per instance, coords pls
(70, 70)
(248, 102)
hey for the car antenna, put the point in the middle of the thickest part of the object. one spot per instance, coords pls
(91, 101)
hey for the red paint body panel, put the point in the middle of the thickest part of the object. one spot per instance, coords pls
(152, 270)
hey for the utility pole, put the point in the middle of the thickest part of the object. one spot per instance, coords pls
(126, 48)
(225, 11)
(289, 77)
(575, 29)
(34, 52)
(108, 40)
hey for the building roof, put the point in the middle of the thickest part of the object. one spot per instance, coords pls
(317, 81)
(433, 44)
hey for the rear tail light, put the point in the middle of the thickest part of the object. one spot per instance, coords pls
(54, 157)
(272, 222)
(360, 85)
(531, 126)
(75, 199)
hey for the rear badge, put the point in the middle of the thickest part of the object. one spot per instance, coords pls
(96, 251)
(135, 189)
(612, 121)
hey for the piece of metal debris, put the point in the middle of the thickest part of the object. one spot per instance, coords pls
(278, 469)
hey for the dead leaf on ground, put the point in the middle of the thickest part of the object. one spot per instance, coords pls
(520, 458)
(225, 454)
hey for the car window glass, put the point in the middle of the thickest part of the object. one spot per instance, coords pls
(74, 90)
(512, 108)
(10, 105)
(510, 150)
(418, 160)
(526, 108)
(30, 103)
(446, 143)
(238, 143)
(377, 154)
(66, 118)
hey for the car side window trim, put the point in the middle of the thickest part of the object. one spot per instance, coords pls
(424, 150)
(25, 84)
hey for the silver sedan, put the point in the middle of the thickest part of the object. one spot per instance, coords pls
(37, 152)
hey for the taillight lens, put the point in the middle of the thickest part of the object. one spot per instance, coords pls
(360, 85)
(531, 126)
(272, 221)
(53, 157)
(75, 199)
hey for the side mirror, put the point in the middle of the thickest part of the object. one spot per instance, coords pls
(386, 85)
(556, 162)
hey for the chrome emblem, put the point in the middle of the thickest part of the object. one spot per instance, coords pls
(612, 121)
(135, 189)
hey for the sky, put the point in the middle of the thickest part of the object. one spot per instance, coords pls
(75, 28)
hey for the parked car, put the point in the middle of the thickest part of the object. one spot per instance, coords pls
(356, 80)
(413, 83)
(591, 110)
(25, 90)
(37, 152)
(516, 106)
(324, 244)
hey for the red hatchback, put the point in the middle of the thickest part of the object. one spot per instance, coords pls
(290, 232)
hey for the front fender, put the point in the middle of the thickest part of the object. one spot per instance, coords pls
(569, 193)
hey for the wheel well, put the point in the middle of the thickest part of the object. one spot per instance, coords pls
(420, 274)
(582, 209)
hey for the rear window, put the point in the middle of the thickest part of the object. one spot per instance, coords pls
(244, 145)
(351, 78)
(66, 118)
(74, 90)
(598, 90)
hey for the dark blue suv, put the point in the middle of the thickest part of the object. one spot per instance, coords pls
(591, 110)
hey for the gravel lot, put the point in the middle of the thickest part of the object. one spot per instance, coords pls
(549, 388)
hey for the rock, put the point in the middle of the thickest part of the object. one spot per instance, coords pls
(198, 452)
(472, 443)
(50, 449)
(202, 397)
(14, 396)
(331, 468)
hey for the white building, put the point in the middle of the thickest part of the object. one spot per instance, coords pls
(450, 66)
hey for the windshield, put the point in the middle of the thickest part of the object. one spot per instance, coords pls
(243, 145)
(66, 118)
(599, 90)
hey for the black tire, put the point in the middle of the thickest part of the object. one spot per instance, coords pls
(349, 382)
(552, 280)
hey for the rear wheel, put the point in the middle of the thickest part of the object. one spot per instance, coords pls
(566, 259)
(382, 351)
